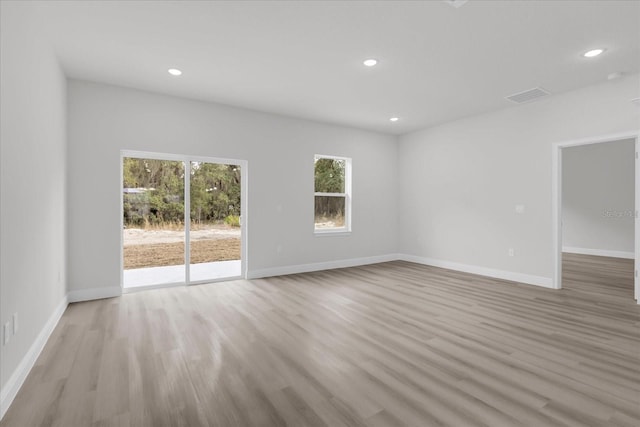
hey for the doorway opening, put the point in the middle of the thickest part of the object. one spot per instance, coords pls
(595, 217)
(182, 220)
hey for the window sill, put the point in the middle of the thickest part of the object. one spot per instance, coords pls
(325, 233)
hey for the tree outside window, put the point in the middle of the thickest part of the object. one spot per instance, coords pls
(332, 194)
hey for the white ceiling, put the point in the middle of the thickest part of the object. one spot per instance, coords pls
(304, 59)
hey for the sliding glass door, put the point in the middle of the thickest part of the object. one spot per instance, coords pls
(153, 215)
(214, 232)
(181, 220)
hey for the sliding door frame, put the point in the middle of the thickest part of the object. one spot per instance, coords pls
(187, 159)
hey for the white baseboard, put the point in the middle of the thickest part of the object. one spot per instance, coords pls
(11, 388)
(598, 252)
(354, 262)
(529, 279)
(94, 293)
(329, 265)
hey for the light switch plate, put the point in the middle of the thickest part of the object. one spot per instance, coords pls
(519, 209)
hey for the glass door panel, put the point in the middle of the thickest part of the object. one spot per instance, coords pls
(153, 218)
(215, 232)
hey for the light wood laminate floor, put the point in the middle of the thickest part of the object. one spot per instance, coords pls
(391, 344)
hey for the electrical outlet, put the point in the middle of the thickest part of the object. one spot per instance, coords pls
(6, 333)
(15, 323)
(512, 252)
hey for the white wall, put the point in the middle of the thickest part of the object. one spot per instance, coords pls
(598, 198)
(32, 180)
(460, 181)
(106, 119)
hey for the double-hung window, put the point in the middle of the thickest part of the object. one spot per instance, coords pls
(332, 194)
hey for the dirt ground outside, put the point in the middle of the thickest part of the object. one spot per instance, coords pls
(157, 248)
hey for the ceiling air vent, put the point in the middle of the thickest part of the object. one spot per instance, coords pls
(636, 102)
(527, 95)
(455, 3)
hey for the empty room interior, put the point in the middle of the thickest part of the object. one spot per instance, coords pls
(322, 213)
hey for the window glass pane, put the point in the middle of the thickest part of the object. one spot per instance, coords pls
(329, 175)
(329, 212)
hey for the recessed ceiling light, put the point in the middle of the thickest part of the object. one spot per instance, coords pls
(593, 53)
(370, 62)
(174, 71)
(394, 119)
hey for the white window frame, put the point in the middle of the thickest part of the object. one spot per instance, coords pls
(338, 231)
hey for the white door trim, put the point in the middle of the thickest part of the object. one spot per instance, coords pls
(556, 198)
(637, 224)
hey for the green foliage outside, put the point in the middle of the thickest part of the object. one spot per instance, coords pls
(154, 192)
(329, 178)
(232, 220)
